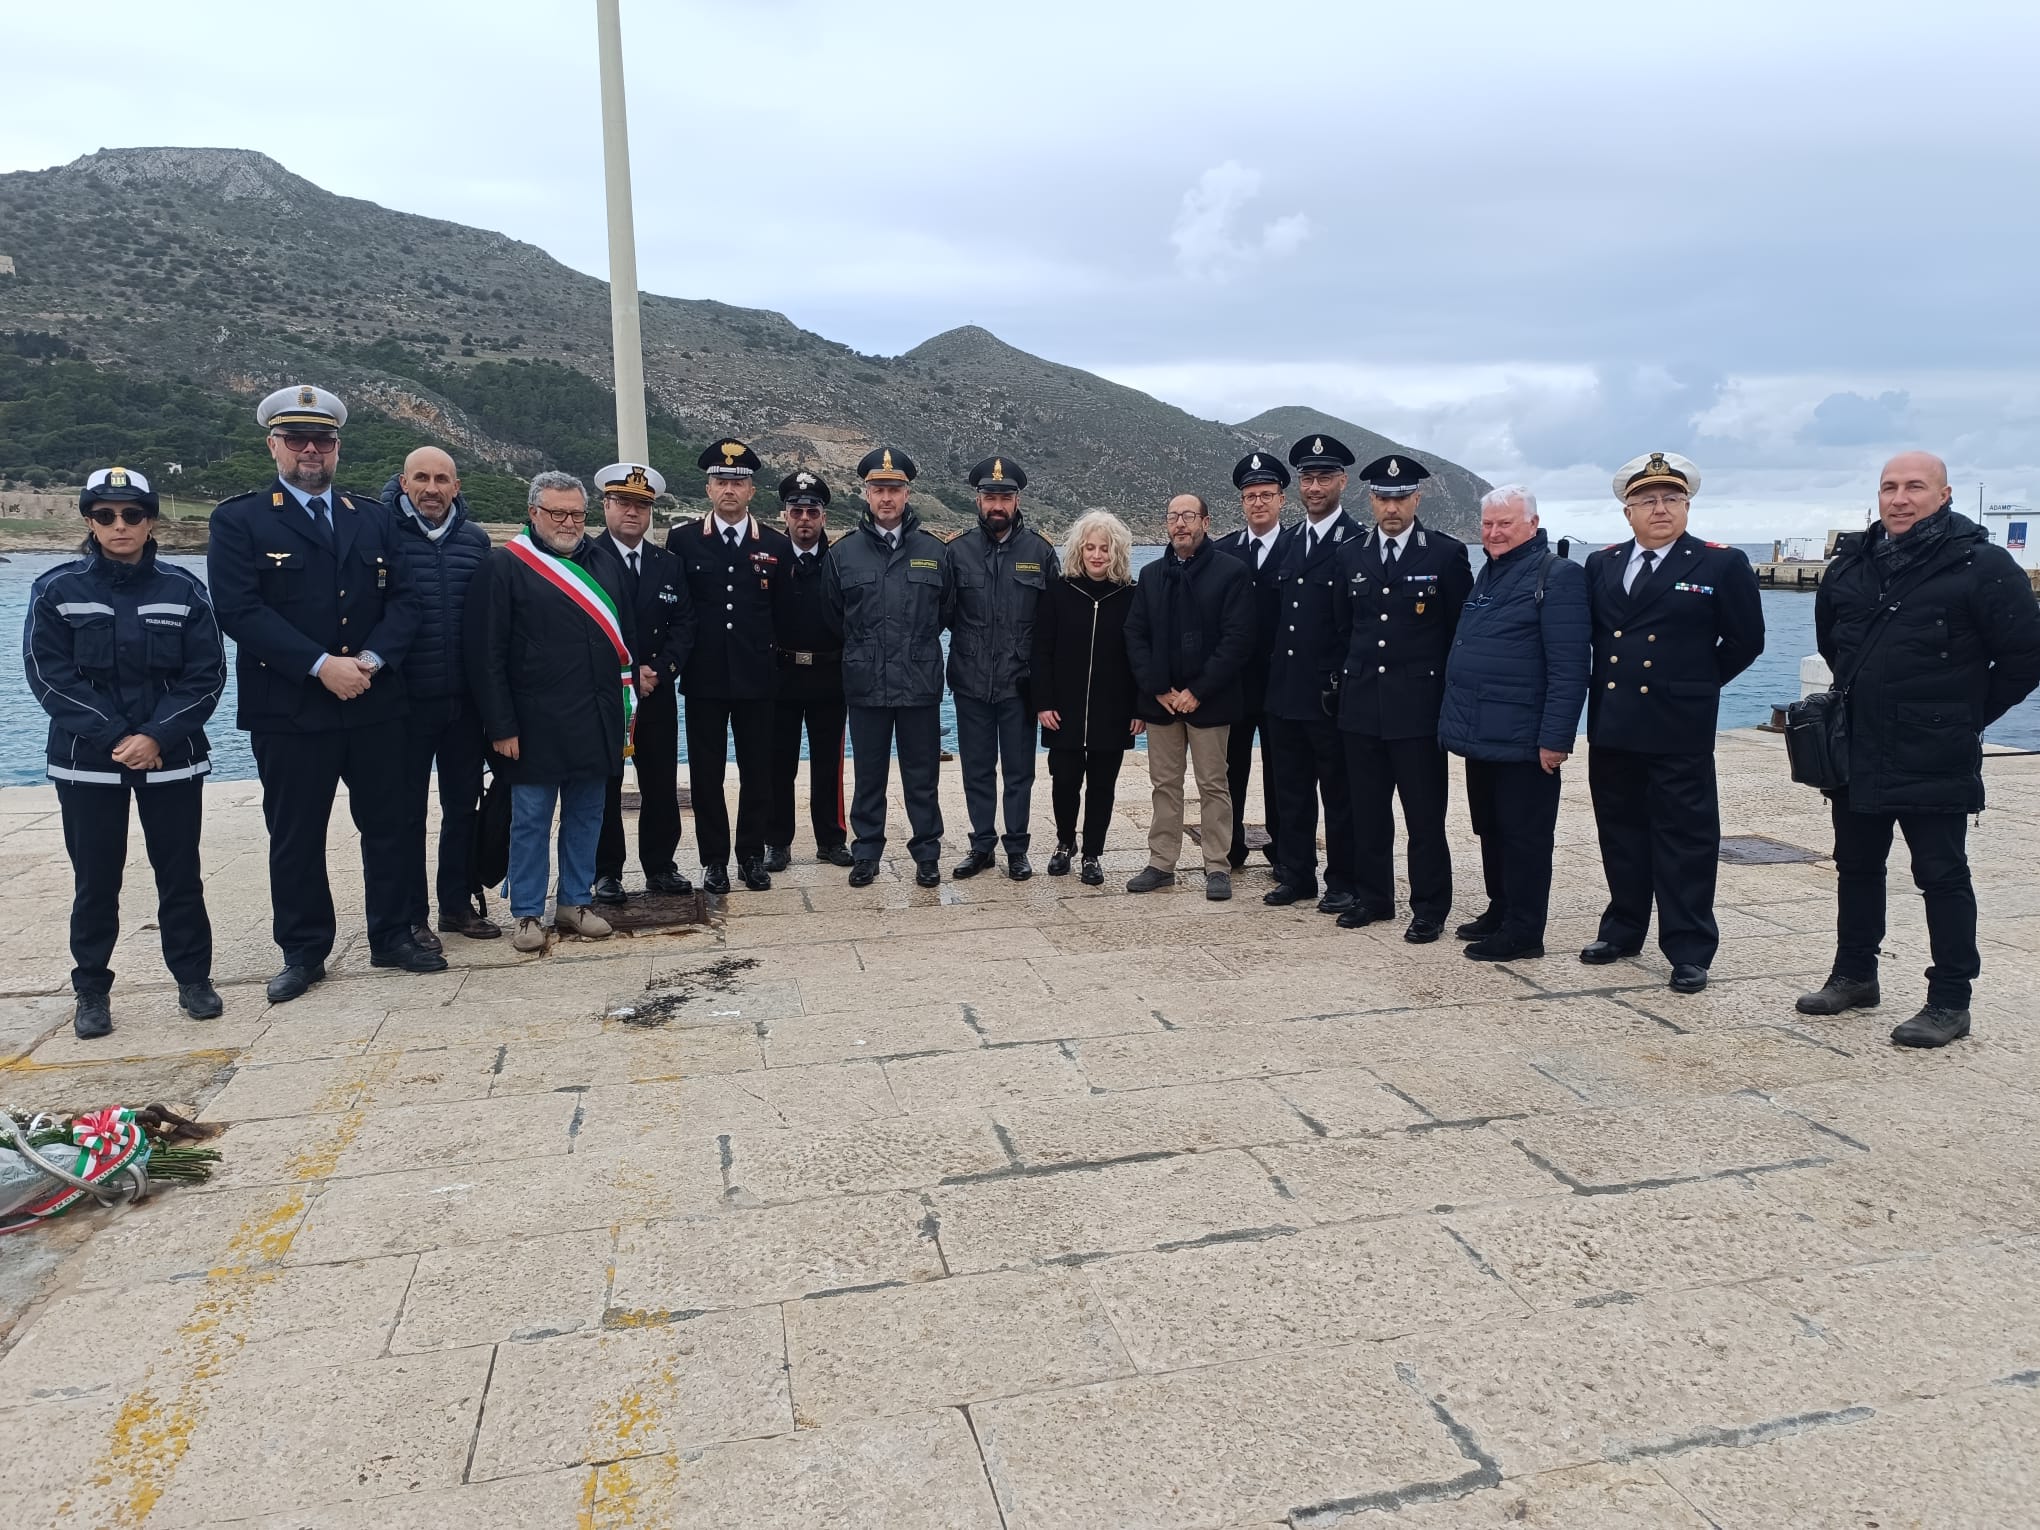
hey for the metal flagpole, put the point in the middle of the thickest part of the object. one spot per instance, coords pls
(624, 336)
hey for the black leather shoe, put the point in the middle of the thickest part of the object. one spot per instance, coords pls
(1059, 863)
(1478, 929)
(754, 876)
(1282, 894)
(408, 956)
(835, 855)
(670, 883)
(1019, 868)
(1423, 931)
(610, 890)
(863, 873)
(716, 879)
(292, 982)
(1931, 1027)
(1356, 917)
(928, 874)
(973, 863)
(93, 1017)
(1601, 952)
(776, 858)
(1503, 948)
(422, 933)
(200, 1000)
(1840, 993)
(1688, 977)
(1092, 874)
(1336, 903)
(470, 923)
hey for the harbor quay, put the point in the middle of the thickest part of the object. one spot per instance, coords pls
(1034, 1205)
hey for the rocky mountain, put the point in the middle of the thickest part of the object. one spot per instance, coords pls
(220, 267)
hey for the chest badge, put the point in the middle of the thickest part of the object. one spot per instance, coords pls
(280, 558)
(1420, 608)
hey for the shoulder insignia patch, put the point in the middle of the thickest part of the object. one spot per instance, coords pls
(1718, 544)
(276, 498)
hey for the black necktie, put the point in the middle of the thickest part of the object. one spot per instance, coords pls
(1388, 557)
(317, 507)
(1643, 573)
(1260, 552)
(730, 536)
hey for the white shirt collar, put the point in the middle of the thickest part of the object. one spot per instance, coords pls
(1265, 538)
(625, 551)
(305, 500)
(1637, 550)
(742, 528)
(1400, 541)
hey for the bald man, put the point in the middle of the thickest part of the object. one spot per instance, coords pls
(440, 548)
(1933, 636)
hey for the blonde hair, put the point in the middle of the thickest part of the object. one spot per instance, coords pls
(1089, 524)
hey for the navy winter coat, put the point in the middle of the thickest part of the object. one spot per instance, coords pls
(438, 574)
(1517, 675)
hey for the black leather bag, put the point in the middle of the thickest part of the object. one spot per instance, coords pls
(1817, 726)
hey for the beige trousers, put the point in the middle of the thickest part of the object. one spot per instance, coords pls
(1168, 744)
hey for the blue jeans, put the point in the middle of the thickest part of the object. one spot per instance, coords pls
(531, 822)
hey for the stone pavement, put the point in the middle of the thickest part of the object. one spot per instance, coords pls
(1034, 1205)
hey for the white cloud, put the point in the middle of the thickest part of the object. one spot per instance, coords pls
(1209, 246)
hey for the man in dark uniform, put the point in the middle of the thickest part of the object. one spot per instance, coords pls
(1402, 588)
(734, 570)
(1261, 479)
(1001, 568)
(889, 591)
(307, 582)
(655, 588)
(1303, 668)
(810, 685)
(1675, 619)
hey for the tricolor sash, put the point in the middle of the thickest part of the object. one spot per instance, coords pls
(586, 592)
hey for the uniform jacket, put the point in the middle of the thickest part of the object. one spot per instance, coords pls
(1664, 649)
(1961, 647)
(1397, 632)
(285, 599)
(810, 650)
(438, 573)
(662, 608)
(1518, 672)
(542, 672)
(117, 648)
(999, 586)
(1191, 627)
(1307, 656)
(734, 590)
(1267, 598)
(889, 607)
(1080, 665)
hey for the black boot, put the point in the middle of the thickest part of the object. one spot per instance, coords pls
(93, 1018)
(1933, 1026)
(1838, 994)
(200, 1000)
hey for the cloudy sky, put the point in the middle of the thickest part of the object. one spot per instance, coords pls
(1785, 237)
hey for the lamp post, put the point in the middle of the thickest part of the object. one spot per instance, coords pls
(625, 340)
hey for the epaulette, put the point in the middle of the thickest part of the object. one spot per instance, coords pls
(1612, 546)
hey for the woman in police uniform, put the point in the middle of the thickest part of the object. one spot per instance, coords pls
(122, 651)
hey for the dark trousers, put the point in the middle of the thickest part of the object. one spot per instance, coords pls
(1378, 770)
(1659, 822)
(1239, 764)
(96, 839)
(1310, 762)
(655, 757)
(1940, 869)
(710, 723)
(300, 773)
(1086, 777)
(449, 732)
(995, 738)
(1514, 804)
(824, 721)
(918, 731)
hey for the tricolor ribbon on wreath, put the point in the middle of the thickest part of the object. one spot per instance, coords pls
(585, 591)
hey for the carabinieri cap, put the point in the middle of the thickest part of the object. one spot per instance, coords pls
(803, 488)
(631, 480)
(302, 407)
(1260, 467)
(1656, 470)
(728, 459)
(887, 464)
(1319, 454)
(998, 475)
(1393, 477)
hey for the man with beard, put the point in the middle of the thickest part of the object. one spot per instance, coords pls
(1303, 669)
(1402, 587)
(655, 590)
(810, 685)
(307, 582)
(1262, 480)
(889, 590)
(1001, 568)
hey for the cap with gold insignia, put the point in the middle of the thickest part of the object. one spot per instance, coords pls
(630, 480)
(1656, 470)
(887, 464)
(998, 475)
(304, 408)
(1320, 454)
(803, 488)
(115, 485)
(728, 459)
(1260, 467)
(1394, 476)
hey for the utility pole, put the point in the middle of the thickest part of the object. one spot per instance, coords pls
(624, 337)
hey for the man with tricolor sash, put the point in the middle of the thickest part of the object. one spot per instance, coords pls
(549, 636)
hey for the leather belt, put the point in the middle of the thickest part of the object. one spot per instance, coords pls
(804, 657)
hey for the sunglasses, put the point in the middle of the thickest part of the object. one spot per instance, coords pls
(304, 443)
(131, 515)
(802, 509)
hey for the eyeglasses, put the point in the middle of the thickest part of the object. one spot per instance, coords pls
(130, 515)
(1319, 475)
(1265, 497)
(802, 509)
(572, 517)
(305, 443)
(1652, 501)
(1183, 517)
